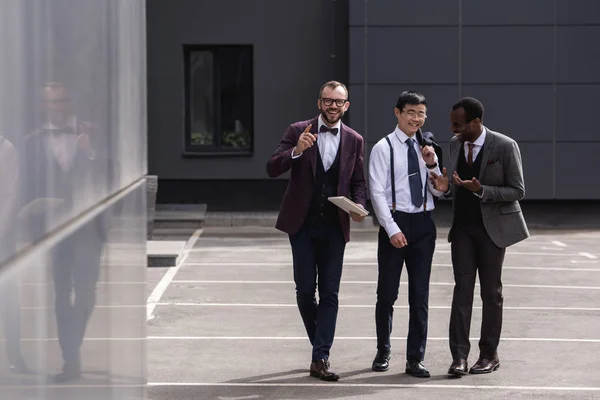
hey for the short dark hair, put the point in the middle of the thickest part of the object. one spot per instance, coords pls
(473, 108)
(410, 97)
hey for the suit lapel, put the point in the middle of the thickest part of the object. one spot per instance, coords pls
(488, 146)
(312, 152)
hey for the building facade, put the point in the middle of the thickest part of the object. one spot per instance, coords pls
(226, 78)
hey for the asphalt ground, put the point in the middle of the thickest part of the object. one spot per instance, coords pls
(224, 324)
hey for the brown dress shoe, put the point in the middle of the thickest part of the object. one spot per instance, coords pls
(458, 367)
(485, 366)
(320, 369)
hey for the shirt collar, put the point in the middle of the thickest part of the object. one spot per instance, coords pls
(338, 124)
(403, 137)
(481, 139)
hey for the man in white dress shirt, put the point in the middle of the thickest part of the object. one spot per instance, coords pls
(402, 198)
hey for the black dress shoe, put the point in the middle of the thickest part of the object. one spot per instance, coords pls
(458, 367)
(71, 371)
(19, 367)
(416, 368)
(382, 360)
(485, 366)
(320, 369)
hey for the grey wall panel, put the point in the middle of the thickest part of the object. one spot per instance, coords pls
(523, 112)
(405, 12)
(359, 109)
(577, 112)
(507, 12)
(573, 163)
(538, 165)
(292, 59)
(507, 55)
(416, 54)
(357, 12)
(578, 60)
(578, 11)
(357, 57)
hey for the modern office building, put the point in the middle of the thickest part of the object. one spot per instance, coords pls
(226, 78)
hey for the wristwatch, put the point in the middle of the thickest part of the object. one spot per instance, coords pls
(432, 166)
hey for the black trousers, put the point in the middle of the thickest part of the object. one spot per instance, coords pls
(76, 268)
(474, 252)
(318, 255)
(420, 232)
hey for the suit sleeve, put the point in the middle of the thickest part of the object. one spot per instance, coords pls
(281, 160)
(358, 185)
(514, 188)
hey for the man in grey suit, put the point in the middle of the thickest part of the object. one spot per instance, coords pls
(487, 184)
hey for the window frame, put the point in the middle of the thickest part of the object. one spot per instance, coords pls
(215, 149)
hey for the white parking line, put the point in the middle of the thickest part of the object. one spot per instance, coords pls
(261, 338)
(558, 243)
(159, 290)
(275, 305)
(368, 264)
(375, 282)
(384, 386)
(587, 255)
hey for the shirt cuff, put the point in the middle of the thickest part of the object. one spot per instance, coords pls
(293, 156)
(479, 195)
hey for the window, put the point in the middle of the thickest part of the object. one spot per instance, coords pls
(218, 99)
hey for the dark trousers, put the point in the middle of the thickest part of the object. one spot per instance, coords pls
(420, 232)
(473, 251)
(76, 268)
(318, 254)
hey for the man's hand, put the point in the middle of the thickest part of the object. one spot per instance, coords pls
(357, 217)
(398, 240)
(305, 141)
(83, 141)
(471, 184)
(440, 182)
(428, 155)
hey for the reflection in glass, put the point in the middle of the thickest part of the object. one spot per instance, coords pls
(202, 96)
(72, 199)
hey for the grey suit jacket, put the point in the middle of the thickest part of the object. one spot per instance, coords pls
(501, 176)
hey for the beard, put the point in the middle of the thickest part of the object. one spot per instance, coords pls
(332, 119)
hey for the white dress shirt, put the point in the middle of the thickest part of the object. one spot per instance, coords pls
(328, 143)
(380, 180)
(477, 148)
(63, 146)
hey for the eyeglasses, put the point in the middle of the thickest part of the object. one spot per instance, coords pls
(412, 114)
(338, 102)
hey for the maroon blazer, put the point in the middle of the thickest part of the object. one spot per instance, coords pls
(298, 194)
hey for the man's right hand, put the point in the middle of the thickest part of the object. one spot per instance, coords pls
(398, 240)
(305, 141)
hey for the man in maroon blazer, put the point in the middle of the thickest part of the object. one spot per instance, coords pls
(326, 159)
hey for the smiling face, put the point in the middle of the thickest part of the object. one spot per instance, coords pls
(464, 130)
(411, 118)
(333, 103)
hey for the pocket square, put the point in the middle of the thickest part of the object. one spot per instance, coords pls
(490, 162)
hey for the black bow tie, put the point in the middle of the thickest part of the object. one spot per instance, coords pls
(325, 128)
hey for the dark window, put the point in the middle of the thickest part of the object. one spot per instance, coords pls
(218, 104)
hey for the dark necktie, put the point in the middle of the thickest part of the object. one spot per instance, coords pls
(325, 128)
(414, 175)
(470, 156)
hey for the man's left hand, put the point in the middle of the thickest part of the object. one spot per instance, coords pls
(471, 184)
(357, 217)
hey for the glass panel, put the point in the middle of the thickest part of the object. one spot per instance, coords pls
(201, 98)
(235, 72)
